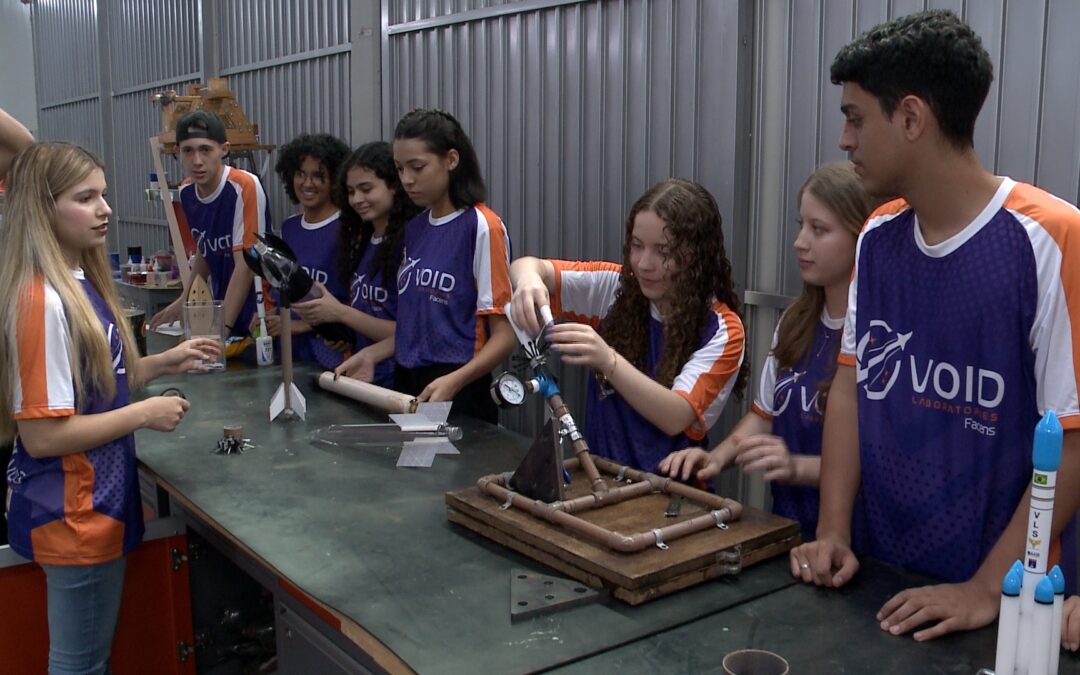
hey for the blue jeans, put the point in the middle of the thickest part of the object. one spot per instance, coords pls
(84, 603)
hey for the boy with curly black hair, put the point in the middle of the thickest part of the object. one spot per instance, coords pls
(963, 328)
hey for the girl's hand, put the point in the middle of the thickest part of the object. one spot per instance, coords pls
(323, 309)
(273, 324)
(530, 294)
(767, 453)
(579, 344)
(185, 356)
(174, 312)
(163, 413)
(359, 366)
(691, 462)
(443, 388)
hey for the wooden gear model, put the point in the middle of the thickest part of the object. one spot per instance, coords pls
(214, 97)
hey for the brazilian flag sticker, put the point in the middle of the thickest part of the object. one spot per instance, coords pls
(1039, 479)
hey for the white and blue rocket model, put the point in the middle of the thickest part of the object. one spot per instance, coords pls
(1009, 621)
(1030, 630)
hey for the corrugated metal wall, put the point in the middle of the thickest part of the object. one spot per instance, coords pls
(575, 109)
(154, 45)
(68, 81)
(288, 62)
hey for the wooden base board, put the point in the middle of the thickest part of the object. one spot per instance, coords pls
(633, 578)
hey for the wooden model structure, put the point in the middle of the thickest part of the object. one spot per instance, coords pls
(214, 97)
(638, 534)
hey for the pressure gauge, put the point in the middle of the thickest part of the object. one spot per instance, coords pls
(508, 390)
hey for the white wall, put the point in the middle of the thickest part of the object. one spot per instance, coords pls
(17, 92)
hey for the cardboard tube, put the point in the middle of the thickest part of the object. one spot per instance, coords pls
(371, 394)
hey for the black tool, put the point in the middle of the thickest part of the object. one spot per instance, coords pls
(674, 506)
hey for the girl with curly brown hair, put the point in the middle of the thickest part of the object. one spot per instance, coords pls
(661, 331)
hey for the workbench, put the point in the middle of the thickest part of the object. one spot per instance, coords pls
(368, 575)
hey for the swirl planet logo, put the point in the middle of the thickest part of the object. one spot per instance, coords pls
(878, 359)
(783, 389)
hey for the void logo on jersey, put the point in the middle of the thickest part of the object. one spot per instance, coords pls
(116, 345)
(316, 274)
(212, 245)
(427, 279)
(782, 392)
(878, 358)
(375, 295)
(962, 390)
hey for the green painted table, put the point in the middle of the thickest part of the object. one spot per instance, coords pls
(371, 542)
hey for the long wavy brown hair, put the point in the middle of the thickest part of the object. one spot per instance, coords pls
(702, 276)
(840, 189)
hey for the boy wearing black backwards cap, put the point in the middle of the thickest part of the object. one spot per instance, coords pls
(225, 208)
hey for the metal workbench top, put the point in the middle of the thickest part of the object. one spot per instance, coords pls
(372, 541)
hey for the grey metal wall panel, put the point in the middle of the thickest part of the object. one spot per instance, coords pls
(1057, 166)
(1019, 69)
(1028, 128)
(254, 31)
(65, 50)
(153, 40)
(78, 122)
(402, 11)
(311, 95)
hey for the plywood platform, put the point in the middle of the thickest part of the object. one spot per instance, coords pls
(633, 578)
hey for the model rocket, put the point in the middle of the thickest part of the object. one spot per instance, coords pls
(272, 259)
(1036, 642)
(422, 434)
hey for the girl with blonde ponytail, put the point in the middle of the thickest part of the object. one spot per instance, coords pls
(68, 358)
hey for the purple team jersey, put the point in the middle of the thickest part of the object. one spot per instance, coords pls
(82, 508)
(316, 248)
(373, 296)
(224, 222)
(454, 271)
(958, 348)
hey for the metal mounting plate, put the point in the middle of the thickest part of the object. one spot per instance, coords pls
(532, 594)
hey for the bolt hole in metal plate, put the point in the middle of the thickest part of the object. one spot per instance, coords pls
(532, 594)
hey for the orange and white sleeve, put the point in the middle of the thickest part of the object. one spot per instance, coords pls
(707, 379)
(44, 384)
(491, 262)
(584, 291)
(1053, 227)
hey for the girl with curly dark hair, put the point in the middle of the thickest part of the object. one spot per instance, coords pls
(661, 331)
(781, 435)
(369, 254)
(307, 166)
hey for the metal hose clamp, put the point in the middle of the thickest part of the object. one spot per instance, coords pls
(660, 539)
(719, 517)
(621, 475)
